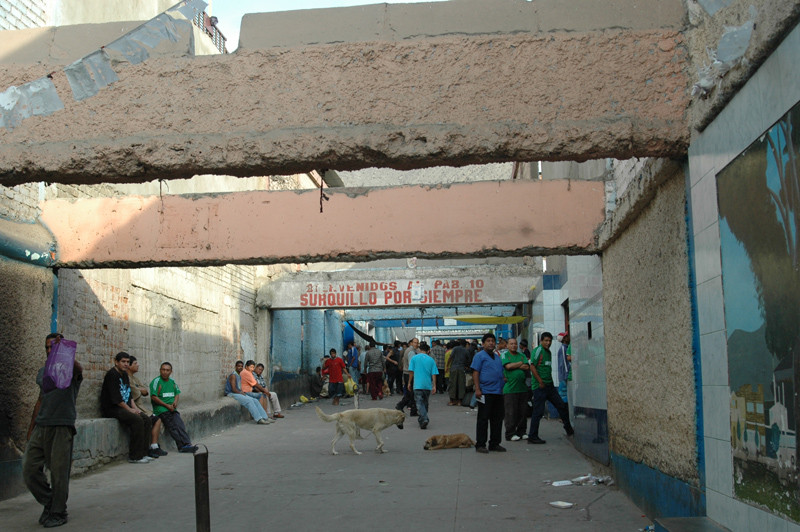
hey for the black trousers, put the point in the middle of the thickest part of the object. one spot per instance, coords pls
(395, 381)
(408, 397)
(540, 396)
(139, 426)
(490, 417)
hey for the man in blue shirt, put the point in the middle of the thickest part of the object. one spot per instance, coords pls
(422, 379)
(487, 377)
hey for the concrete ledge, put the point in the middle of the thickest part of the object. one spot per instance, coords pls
(102, 440)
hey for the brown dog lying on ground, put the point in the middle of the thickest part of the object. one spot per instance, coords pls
(448, 441)
(374, 420)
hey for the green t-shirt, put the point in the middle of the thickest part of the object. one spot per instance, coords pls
(515, 378)
(542, 362)
(167, 391)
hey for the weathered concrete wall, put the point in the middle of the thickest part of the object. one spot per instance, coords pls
(772, 19)
(199, 319)
(96, 11)
(444, 100)
(648, 331)
(217, 229)
(398, 22)
(25, 316)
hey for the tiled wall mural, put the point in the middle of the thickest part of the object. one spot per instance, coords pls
(759, 211)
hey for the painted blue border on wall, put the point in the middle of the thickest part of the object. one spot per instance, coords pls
(696, 353)
(659, 495)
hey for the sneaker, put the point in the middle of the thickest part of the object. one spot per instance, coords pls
(159, 451)
(153, 454)
(537, 441)
(279, 415)
(423, 425)
(515, 438)
(45, 515)
(54, 520)
(188, 448)
(142, 460)
(498, 449)
(264, 421)
(482, 450)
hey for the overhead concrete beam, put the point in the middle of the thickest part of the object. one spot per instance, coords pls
(398, 22)
(476, 219)
(450, 100)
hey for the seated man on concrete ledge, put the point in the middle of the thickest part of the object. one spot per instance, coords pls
(164, 393)
(233, 388)
(273, 405)
(116, 402)
(139, 393)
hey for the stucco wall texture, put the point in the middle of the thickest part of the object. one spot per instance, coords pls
(25, 313)
(212, 229)
(648, 328)
(446, 100)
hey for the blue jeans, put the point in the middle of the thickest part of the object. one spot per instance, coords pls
(421, 397)
(252, 405)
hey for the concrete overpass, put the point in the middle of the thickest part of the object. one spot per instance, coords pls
(468, 82)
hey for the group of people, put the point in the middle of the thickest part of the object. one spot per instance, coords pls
(122, 396)
(52, 426)
(248, 387)
(508, 383)
(505, 382)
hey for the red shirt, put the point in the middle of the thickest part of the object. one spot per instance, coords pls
(334, 367)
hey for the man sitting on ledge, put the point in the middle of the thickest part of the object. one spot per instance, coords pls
(164, 393)
(116, 402)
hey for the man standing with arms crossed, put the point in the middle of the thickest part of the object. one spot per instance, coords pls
(50, 443)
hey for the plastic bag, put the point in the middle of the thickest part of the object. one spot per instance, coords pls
(58, 368)
(350, 386)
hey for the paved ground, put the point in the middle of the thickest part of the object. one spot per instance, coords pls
(283, 477)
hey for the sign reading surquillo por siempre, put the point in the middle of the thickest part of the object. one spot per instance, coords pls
(388, 293)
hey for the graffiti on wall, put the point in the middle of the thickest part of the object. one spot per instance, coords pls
(759, 218)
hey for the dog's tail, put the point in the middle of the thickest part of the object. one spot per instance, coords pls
(325, 417)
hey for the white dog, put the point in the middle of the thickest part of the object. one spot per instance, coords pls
(374, 420)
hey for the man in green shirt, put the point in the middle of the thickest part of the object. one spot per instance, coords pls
(164, 394)
(541, 365)
(515, 392)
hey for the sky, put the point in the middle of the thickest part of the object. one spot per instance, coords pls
(230, 12)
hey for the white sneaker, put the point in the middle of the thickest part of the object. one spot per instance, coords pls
(515, 438)
(265, 421)
(143, 460)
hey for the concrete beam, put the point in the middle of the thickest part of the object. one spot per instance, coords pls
(450, 100)
(398, 22)
(477, 219)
